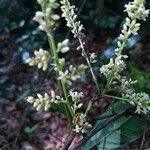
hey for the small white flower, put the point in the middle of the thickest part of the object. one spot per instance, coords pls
(136, 11)
(140, 100)
(72, 74)
(30, 99)
(39, 16)
(44, 102)
(41, 59)
(80, 123)
(76, 96)
(48, 13)
(70, 16)
(40, 1)
(93, 57)
(63, 46)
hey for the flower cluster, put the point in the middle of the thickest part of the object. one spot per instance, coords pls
(41, 59)
(77, 28)
(77, 72)
(41, 2)
(47, 18)
(79, 121)
(140, 100)
(113, 67)
(93, 57)
(76, 99)
(138, 7)
(51, 17)
(63, 46)
(39, 17)
(136, 11)
(72, 74)
(71, 17)
(44, 102)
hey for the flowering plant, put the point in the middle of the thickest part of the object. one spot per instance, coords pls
(67, 75)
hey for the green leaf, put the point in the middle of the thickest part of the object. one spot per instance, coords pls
(120, 132)
(31, 130)
(114, 109)
(129, 132)
(100, 136)
(138, 75)
(23, 95)
(141, 76)
(109, 142)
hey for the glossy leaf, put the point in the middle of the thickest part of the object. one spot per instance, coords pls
(120, 132)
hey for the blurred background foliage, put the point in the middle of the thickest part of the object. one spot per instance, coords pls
(16, 15)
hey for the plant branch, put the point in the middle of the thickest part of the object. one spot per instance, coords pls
(89, 64)
(78, 35)
(115, 97)
(67, 105)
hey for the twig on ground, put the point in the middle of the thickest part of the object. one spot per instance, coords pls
(69, 142)
(143, 139)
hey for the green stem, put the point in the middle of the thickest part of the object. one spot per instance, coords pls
(67, 105)
(115, 97)
(109, 82)
(111, 78)
(84, 52)
(89, 64)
